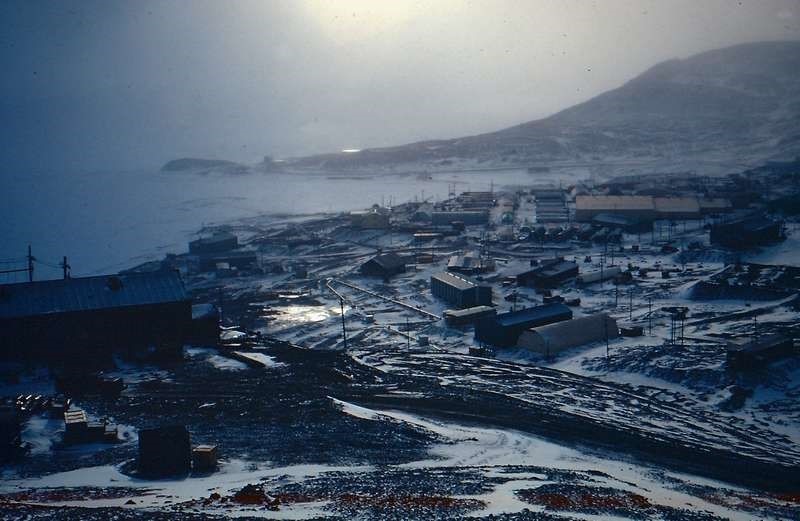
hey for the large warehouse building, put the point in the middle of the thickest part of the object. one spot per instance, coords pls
(646, 207)
(104, 312)
(638, 207)
(460, 291)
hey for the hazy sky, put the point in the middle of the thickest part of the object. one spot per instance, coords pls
(89, 85)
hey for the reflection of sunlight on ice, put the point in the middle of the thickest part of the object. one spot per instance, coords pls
(308, 313)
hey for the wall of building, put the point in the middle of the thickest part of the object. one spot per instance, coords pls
(59, 335)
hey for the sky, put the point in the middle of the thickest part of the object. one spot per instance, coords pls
(104, 85)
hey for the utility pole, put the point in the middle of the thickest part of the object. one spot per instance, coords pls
(683, 327)
(30, 264)
(630, 304)
(755, 329)
(219, 303)
(66, 267)
(344, 330)
(650, 315)
(602, 280)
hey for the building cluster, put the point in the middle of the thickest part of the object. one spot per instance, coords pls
(471, 254)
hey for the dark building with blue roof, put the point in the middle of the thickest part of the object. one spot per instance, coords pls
(503, 330)
(102, 312)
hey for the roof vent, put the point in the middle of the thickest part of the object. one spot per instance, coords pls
(114, 283)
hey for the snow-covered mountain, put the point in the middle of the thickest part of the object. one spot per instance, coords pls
(737, 104)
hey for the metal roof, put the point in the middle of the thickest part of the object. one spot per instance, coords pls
(614, 202)
(464, 262)
(522, 316)
(613, 219)
(455, 281)
(571, 333)
(751, 224)
(677, 204)
(477, 310)
(714, 203)
(754, 345)
(389, 261)
(90, 293)
(550, 269)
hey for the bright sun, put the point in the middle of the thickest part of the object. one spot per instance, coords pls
(352, 20)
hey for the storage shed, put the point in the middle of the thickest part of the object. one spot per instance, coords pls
(164, 451)
(554, 338)
(503, 330)
(385, 265)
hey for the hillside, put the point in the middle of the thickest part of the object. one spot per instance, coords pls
(738, 104)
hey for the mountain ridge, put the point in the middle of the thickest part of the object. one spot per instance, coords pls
(740, 102)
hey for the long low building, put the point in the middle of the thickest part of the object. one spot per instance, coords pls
(461, 317)
(460, 291)
(598, 276)
(640, 207)
(503, 330)
(646, 207)
(554, 338)
(104, 312)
